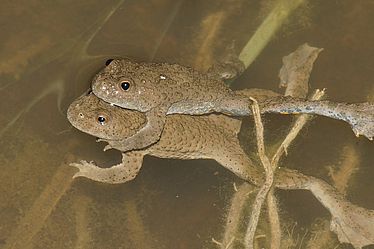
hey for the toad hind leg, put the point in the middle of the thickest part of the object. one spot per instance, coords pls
(120, 173)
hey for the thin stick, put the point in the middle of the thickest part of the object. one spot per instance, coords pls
(265, 188)
(282, 149)
(275, 228)
(234, 216)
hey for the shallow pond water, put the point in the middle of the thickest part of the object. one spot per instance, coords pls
(49, 52)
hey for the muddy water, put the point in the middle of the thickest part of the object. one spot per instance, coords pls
(50, 51)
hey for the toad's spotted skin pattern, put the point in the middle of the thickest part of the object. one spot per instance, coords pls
(184, 137)
(158, 89)
(95, 117)
(153, 88)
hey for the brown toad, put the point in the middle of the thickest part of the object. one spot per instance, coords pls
(160, 89)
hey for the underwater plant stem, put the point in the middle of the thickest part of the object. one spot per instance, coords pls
(264, 33)
(233, 219)
(265, 188)
(270, 167)
(81, 207)
(271, 200)
(140, 236)
(34, 219)
(273, 214)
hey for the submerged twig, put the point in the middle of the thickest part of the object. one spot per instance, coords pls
(265, 188)
(294, 75)
(238, 202)
(272, 208)
(352, 224)
(273, 214)
(298, 87)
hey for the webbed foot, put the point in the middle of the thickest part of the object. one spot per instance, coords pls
(120, 173)
(86, 169)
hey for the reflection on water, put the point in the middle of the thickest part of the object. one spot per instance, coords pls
(49, 52)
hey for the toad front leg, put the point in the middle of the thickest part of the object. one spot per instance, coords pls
(120, 173)
(146, 136)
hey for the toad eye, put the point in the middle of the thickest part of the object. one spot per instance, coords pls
(108, 62)
(125, 85)
(101, 120)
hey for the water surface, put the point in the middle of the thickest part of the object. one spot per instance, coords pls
(50, 51)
